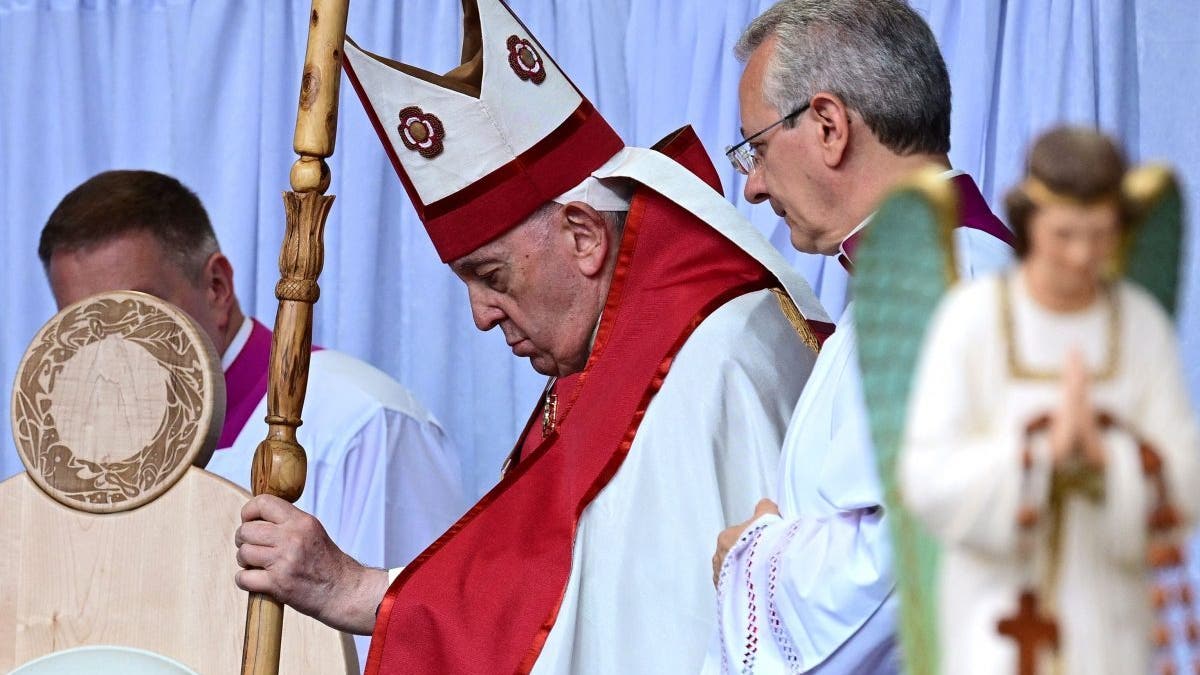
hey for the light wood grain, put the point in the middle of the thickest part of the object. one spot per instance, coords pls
(114, 398)
(316, 115)
(279, 464)
(158, 578)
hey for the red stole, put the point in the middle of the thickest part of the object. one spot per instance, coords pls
(483, 597)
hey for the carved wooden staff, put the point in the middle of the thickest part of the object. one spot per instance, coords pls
(279, 462)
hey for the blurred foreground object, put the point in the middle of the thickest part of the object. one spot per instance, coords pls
(1050, 446)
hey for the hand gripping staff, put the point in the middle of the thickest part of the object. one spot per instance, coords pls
(279, 462)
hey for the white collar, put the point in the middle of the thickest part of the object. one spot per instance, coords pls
(238, 343)
(595, 331)
(848, 237)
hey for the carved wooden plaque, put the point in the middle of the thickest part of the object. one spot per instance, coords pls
(158, 578)
(115, 397)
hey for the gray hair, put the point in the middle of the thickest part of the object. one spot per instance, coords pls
(879, 56)
(544, 217)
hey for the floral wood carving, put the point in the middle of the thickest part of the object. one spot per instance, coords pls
(115, 398)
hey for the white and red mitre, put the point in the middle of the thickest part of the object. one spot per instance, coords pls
(481, 148)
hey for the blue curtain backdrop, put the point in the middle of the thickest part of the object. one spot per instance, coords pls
(206, 90)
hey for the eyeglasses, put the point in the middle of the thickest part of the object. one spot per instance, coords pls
(742, 156)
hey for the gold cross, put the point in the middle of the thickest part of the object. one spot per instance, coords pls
(550, 414)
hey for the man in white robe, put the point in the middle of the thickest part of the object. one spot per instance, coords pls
(382, 474)
(677, 353)
(840, 101)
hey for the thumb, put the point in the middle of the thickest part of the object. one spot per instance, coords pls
(764, 507)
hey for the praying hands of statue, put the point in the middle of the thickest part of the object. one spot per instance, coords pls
(1074, 431)
(287, 555)
(730, 535)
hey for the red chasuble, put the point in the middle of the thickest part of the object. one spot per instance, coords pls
(483, 597)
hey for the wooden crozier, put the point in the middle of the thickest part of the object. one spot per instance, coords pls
(280, 465)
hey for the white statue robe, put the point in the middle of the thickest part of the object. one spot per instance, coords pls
(961, 473)
(811, 590)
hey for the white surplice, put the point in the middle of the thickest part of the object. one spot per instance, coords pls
(383, 477)
(811, 590)
(962, 475)
(639, 598)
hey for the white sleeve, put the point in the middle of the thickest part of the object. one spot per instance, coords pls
(960, 473)
(403, 488)
(1165, 415)
(796, 591)
(806, 584)
(1127, 501)
(396, 488)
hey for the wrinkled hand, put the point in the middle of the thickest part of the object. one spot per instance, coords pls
(287, 555)
(730, 535)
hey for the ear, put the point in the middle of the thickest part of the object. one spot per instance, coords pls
(587, 235)
(217, 278)
(833, 127)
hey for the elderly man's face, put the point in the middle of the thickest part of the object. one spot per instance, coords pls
(529, 283)
(788, 166)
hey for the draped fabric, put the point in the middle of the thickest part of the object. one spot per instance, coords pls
(206, 90)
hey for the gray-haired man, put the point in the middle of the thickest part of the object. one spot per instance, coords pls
(840, 100)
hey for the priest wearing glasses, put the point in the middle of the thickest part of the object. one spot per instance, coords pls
(840, 101)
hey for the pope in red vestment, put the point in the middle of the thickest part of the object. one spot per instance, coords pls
(591, 553)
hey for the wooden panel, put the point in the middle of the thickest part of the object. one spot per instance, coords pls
(159, 578)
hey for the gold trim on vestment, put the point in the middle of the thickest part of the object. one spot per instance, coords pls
(1019, 370)
(792, 313)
